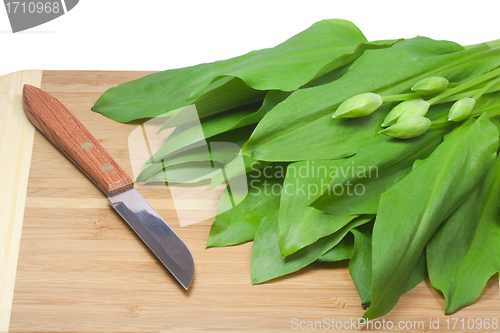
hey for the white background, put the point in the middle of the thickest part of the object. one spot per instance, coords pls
(164, 34)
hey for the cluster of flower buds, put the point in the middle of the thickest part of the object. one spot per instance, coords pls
(407, 119)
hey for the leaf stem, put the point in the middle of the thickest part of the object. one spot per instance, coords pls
(492, 44)
(470, 93)
(400, 97)
(485, 88)
(465, 86)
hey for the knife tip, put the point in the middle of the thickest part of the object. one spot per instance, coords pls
(186, 286)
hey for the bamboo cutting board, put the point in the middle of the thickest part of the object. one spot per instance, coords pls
(82, 269)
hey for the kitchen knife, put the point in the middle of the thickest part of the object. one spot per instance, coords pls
(68, 135)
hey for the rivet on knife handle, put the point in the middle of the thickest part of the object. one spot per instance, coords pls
(71, 138)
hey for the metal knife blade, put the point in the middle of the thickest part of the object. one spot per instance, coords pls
(71, 138)
(155, 232)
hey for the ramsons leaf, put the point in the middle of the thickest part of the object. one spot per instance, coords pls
(464, 253)
(360, 180)
(266, 263)
(360, 266)
(188, 130)
(299, 224)
(197, 152)
(410, 212)
(239, 224)
(323, 47)
(342, 251)
(156, 94)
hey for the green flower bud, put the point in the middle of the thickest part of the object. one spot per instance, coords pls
(358, 106)
(408, 127)
(461, 109)
(430, 86)
(413, 107)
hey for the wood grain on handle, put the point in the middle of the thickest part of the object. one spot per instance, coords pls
(65, 132)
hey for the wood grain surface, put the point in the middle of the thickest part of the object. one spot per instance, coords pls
(16, 146)
(81, 268)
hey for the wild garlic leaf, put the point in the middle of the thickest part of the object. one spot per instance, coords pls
(360, 181)
(342, 251)
(239, 224)
(235, 128)
(207, 156)
(465, 251)
(158, 93)
(323, 47)
(266, 263)
(198, 151)
(285, 133)
(227, 95)
(299, 224)
(410, 212)
(489, 103)
(231, 97)
(203, 171)
(233, 169)
(360, 266)
(188, 132)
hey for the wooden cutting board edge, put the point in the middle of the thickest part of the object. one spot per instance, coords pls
(16, 142)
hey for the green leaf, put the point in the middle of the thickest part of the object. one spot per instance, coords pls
(419, 273)
(266, 263)
(235, 128)
(239, 224)
(190, 131)
(464, 253)
(323, 47)
(201, 171)
(299, 224)
(285, 133)
(411, 211)
(199, 150)
(360, 266)
(156, 94)
(183, 174)
(342, 251)
(489, 103)
(130, 100)
(196, 152)
(233, 169)
(273, 98)
(360, 181)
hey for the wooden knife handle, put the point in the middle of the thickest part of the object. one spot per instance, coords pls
(65, 132)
